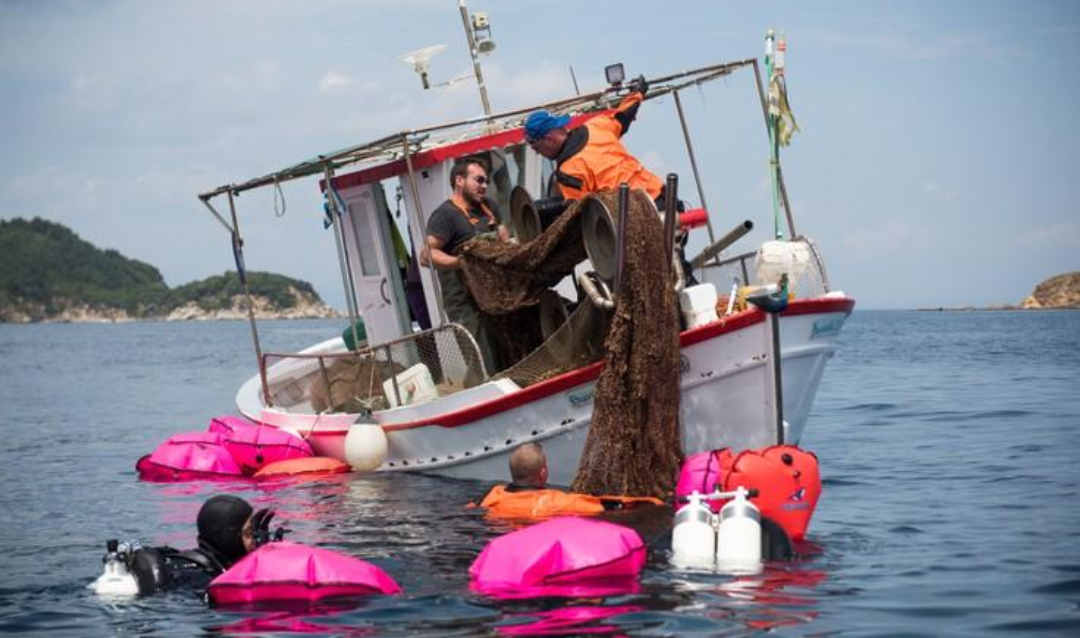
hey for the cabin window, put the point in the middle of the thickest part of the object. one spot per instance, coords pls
(365, 238)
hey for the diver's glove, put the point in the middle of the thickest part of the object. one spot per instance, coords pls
(260, 528)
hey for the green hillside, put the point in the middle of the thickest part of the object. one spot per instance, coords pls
(46, 268)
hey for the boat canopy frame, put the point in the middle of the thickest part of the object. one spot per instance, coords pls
(404, 146)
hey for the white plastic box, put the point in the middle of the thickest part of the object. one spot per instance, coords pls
(698, 305)
(415, 385)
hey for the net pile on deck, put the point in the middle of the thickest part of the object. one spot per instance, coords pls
(633, 445)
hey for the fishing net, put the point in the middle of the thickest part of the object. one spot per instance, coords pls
(633, 446)
(406, 371)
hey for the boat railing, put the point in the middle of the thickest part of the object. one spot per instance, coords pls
(811, 281)
(406, 371)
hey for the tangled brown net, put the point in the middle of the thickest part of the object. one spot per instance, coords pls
(633, 446)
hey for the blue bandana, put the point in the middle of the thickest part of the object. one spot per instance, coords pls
(541, 123)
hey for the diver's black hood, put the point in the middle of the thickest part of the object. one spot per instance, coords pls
(221, 522)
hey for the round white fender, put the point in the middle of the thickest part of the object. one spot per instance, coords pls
(365, 446)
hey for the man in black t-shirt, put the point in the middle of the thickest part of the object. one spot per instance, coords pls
(466, 214)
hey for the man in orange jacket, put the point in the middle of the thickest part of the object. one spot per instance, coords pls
(529, 497)
(592, 158)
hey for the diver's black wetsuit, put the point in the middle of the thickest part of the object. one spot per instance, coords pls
(221, 525)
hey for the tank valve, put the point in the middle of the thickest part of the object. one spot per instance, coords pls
(117, 579)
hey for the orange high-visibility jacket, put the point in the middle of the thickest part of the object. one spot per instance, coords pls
(543, 503)
(602, 162)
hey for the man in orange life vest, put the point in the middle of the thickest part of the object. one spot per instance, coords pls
(528, 495)
(592, 158)
(466, 214)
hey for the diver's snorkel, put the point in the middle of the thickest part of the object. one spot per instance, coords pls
(260, 528)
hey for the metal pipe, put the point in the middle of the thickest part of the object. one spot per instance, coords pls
(778, 394)
(671, 198)
(343, 262)
(779, 173)
(238, 253)
(326, 382)
(423, 231)
(620, 236)
(591, 288)
(475, 60)
(720, 245)
(217, 215)
(694, 166)
(372, 149)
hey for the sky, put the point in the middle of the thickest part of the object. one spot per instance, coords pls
(935, 165)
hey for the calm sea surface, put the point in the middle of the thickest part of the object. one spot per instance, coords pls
(949, 444)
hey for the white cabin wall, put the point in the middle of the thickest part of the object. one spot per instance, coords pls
(433, 187)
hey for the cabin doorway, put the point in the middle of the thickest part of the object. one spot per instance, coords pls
(376, 266)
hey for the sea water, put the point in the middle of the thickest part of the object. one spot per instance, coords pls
(949, 446)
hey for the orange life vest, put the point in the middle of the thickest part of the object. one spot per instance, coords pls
(544, 503)
(604, 163)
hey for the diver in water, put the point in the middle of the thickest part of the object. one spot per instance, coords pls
(228, 530)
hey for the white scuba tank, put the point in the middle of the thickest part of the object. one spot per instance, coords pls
(693, 540)
(117, 580)
(738, 534)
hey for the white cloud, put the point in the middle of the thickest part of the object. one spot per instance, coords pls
(1060, 235)
(333, 81)
(937, 191)
(889, 238)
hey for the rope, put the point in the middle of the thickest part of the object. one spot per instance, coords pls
(279, 196)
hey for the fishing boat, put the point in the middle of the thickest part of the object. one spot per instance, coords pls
(429, 391)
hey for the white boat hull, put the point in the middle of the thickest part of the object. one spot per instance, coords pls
(726, 401)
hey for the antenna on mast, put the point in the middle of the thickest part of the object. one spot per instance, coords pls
(478, 34)
(420, 60)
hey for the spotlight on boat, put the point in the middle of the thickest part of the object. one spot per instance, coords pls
(365, 444)
(420, 60)
(481, 28)
(615, 74)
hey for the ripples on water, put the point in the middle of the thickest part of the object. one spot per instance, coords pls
(948, 444)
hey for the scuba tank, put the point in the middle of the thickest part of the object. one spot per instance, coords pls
(117, 579)
(738, 534)
(693, 540)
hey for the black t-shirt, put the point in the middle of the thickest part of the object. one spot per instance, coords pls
(448, 224)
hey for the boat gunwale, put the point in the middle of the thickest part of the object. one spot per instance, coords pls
(465, 416)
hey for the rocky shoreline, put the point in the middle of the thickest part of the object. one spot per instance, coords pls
(1061, 292)
(304, 308)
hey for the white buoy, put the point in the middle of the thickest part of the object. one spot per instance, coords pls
(738, 535)
(365, 446)
(693, 540)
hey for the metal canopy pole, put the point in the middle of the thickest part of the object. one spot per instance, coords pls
(475, 60)
(420, 225)
(342, 253)
(693, 165)
(779, 172)
(241, 273)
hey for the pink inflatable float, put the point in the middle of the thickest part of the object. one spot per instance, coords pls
(189, 456)
(289, 571)
(256, 446)
(700, 473)
(566, 556)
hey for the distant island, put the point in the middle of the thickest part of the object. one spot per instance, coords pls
(1059, 292)
(49, 273)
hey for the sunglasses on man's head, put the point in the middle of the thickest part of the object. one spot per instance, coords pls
(480, 179)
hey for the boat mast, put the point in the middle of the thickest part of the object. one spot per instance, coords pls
(471, 37)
